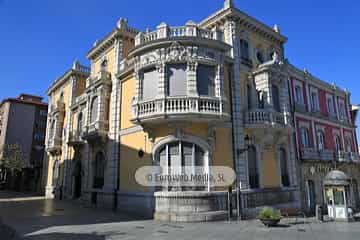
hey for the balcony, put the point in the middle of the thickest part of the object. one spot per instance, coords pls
(102, 77)
(54, 145)
(96, 131)
(348, 157)
(180, 108)
(75, 138)
(312, 154)
(163, 31)
(266, 118)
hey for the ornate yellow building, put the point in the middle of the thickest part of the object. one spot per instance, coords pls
(176, 96)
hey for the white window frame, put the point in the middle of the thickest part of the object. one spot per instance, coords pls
(330, 108)
(314, 105)
(321, 142)
(298, 99)
(304, 134)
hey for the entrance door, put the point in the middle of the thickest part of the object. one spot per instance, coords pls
(311, 196)
(77, 179)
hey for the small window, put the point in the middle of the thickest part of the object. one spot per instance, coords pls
(104, 64)
(298, 95)
(314, 101)
(244, 49)
(330, 105)
(305, 137)
(321, 140)
(342, 110)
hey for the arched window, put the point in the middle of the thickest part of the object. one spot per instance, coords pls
(94, 110)
(99, 170)
(305, 137)
(276, 98)
(181, 154)
(244, 49)
(337, 143)
(285, 179)
(321, 140)
(80, 123)
(253, 168)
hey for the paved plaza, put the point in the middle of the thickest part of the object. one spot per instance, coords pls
(40, 219)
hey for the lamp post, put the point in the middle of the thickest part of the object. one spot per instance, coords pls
(247, 144)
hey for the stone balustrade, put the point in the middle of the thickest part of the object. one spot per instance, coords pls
(163, 31)
(263, 117)
(75, 138)
(179, 105)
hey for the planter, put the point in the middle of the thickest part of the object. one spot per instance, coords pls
(270, 222)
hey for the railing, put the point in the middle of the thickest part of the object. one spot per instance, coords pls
(179, 105)
(96, 129)
(189, 30)
(317, 155)
(266, 117)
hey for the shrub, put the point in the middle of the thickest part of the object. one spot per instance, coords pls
(269, 213)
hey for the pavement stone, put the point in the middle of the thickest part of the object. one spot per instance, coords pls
(37, 218)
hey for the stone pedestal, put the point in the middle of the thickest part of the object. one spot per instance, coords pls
(189, 206)
(50, 192)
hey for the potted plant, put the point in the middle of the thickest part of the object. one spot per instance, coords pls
(270, 217)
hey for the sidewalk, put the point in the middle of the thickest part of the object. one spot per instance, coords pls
(41, 219)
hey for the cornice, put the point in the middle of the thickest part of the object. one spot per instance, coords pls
(64, 78)
(122, 31)
(309, 78)
(245, 20)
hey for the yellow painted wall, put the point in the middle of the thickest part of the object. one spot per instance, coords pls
(130, 161)
(110, 56)
(132, 143)
(128, 91)
(270, 169)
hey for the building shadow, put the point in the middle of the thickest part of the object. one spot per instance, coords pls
(65, 236)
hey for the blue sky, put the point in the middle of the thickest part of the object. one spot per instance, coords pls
(39, 39)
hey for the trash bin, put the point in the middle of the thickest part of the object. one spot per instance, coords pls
(319, 213)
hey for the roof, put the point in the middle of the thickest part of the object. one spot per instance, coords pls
(25, 101)
(336, 178)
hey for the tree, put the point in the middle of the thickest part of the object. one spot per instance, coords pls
(12, 158)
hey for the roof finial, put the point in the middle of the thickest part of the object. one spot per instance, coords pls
(276, 28)
(228, 4)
